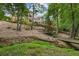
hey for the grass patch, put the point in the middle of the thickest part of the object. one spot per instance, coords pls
(37, 48)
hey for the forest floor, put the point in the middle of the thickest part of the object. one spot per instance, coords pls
(10, 36)
(9, 30)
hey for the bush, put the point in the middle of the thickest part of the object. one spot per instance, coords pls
(54, 34)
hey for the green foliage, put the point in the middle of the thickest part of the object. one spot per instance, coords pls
(1, 11)
(1, 14)
(6, 18)
(65, 14)
(65, 24)
(26, 21)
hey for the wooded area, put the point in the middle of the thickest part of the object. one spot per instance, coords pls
(56, 23)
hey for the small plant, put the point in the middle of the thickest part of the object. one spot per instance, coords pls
(8, 27)
(54, 34)
(1, 46)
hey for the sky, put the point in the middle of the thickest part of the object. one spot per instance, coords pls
(38, 14)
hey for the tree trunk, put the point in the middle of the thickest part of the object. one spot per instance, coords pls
(57, 18)
(76, 30)
(19, 18)
(73, 22)
(33, 16)
(20, 21)
(17, 23)
(49, 26)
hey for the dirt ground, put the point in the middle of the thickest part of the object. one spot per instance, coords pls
(8, 32)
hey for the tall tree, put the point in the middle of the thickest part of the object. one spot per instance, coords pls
(53, 10)
(18, 9)
(36, 8)
(21, 10)
(73, 20)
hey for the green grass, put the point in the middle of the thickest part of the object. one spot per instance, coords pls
(35, 48)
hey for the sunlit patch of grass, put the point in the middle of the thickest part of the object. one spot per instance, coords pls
(35, 48)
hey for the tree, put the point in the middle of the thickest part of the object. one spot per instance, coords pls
(21, 10)
(53, 10)
(2, 13)
(36, 8)
(73, 20)
(18, 9)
